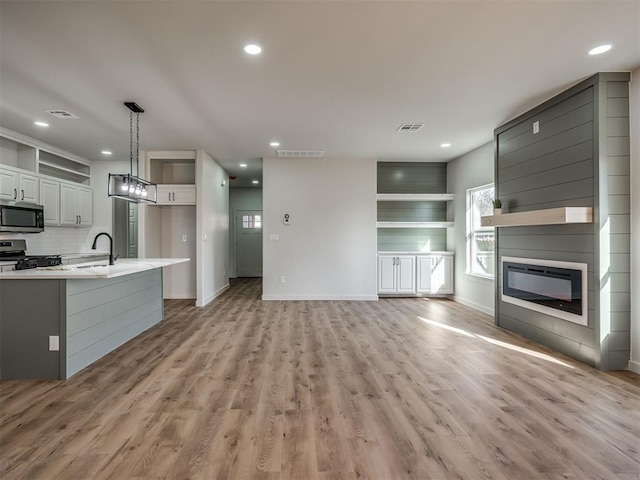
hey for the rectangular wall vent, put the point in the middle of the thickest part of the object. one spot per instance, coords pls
(61, 114)
(410, 127)
(301, 153)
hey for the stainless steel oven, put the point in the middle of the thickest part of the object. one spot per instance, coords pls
(21, 217)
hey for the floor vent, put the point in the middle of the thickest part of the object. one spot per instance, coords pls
(301, 153)
(61, 114)
(410, 127)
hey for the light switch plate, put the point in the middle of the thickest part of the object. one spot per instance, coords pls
(54, 343)
(536, 127)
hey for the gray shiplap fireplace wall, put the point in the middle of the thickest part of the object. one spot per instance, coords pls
(579, 158)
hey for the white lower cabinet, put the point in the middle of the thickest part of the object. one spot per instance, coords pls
(430, 274)
(435, 274)
(397, 274)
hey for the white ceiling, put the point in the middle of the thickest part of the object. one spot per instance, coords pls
(334, 75)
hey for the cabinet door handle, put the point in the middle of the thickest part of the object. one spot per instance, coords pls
(174, 196)
(15, 193)
(79, 219)
(22, 194)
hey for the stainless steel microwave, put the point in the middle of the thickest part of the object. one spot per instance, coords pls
(21, 217)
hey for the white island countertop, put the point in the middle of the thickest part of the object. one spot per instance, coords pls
(124, 266)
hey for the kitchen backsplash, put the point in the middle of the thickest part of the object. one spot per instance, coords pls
(58, 240)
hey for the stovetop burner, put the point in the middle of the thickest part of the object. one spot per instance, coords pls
(14, 251)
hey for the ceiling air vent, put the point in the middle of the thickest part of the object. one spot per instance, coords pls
(301, 153)
(410, 127)
(61, 114)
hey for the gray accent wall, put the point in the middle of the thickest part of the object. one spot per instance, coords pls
(580, 157)
(412, 177)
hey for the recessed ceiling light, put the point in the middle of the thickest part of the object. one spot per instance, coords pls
(41, 124)
(243, 165)
(252, 49)
(445, 145)
(599, 49)
(107, 152)
(275, 144)
(255, 182)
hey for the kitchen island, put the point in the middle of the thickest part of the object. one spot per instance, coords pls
(55, 321)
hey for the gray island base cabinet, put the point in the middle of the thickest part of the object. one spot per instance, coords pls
(90, 318)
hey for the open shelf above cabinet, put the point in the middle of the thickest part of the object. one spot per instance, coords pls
(415, 197)
(550, 216)
(414, 224)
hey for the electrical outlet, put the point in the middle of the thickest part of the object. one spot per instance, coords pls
(282, 279)
(536, 127)
(54, 343)
(274, 237)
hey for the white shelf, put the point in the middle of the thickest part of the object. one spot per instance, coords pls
(414, 224)
(550, 216)
(415, 197)
(64, 169)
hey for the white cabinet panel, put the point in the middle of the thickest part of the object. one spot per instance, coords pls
(406, 274)
(50, 199)
(8, 185)
(28, 191)
(442, 274)
(176, 194)
(435, 274)
(386, 274)
(85, 206)
(68, 202)
(76, 205)
(396, 274)
(424, 274)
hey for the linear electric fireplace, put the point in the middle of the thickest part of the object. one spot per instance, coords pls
(555, 288)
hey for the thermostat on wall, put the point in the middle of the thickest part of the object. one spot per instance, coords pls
(286, 219)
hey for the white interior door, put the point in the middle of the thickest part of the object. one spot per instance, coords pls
(248, 226)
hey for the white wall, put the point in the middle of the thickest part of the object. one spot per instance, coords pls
(212, 229)
(329, 249)
(634, 113)
(474, 169)
(240, 199)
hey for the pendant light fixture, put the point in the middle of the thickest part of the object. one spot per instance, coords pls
(128, 186)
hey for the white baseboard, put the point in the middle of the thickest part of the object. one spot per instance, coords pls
(321, 297)
(474, 305)
(212, 297)
(634, 366)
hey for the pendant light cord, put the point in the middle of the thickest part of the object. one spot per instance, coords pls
(131, 143)
(137, 144)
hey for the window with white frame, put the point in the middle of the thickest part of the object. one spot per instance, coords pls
(480, 240)
(251, 221)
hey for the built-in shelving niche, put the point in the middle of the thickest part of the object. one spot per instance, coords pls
(412, 206)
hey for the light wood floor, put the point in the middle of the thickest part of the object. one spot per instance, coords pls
(400, 388)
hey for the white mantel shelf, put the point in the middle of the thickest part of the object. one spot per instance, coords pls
(414, 224)
(415, 197)
(550, 216)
